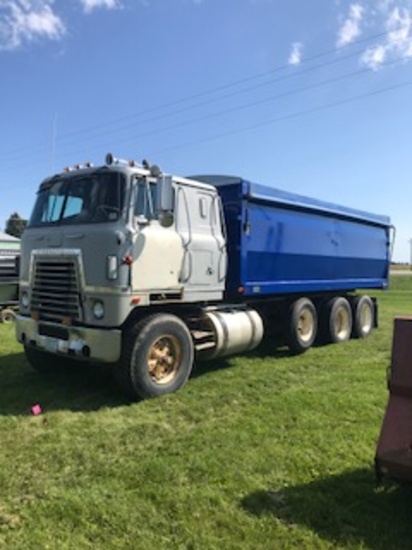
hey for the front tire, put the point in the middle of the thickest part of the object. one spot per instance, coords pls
(157, 357)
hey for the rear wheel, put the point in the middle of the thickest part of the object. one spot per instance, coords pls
(337, 320)
(363, 316)
(7, 316)
(157, 357)
(302, 325)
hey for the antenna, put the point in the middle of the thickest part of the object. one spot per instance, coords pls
(410, 256)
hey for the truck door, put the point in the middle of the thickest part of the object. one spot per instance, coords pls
(198, 221)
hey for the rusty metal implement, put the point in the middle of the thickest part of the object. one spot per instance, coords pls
(394, 450)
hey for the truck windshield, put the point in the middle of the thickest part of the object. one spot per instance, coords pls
(93, 198)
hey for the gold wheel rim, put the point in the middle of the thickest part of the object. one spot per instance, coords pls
(164, 359)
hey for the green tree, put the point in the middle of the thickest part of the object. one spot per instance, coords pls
(15, 225)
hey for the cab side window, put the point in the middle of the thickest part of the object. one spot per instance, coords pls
(145, 200)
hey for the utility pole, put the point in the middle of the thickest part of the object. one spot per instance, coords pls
(410, 255)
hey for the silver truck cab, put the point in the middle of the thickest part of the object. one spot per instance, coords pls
(103, 243)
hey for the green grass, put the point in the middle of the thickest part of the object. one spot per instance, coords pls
(260, 451)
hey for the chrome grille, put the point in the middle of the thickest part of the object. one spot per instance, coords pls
(56, 292)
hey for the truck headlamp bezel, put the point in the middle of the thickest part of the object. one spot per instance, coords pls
(98, 310)
(24, 299)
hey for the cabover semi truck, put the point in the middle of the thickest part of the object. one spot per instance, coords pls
(126, 265)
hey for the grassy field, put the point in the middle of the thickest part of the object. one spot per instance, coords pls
(262, 451)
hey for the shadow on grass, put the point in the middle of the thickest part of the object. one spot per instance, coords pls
(345, 509)
(275, 350)
(265, 350)
(81, 389)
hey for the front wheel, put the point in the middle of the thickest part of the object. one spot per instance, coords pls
(157, 357)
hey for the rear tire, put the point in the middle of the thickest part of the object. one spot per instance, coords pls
(302, 326)
(337, 321)
(7, 316)
(157, 357)
(363, 316)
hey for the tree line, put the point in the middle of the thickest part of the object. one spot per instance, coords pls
(15, 225)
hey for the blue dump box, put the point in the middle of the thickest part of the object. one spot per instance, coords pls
(279, 242)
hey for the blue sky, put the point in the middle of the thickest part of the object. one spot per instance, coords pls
(312, 96)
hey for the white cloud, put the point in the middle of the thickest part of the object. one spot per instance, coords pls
(373, 57)
(397, 43)
(90, 5)
(26, 21)
(295, 56)
(350, 29)
(399, 27)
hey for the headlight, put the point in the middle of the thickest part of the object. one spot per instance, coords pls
(98, 310)
(25, 299)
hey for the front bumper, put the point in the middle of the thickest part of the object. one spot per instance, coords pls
(78, 342)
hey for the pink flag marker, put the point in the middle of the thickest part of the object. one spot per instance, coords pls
(36, 409)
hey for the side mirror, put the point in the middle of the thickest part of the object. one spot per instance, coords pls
(164, 200)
